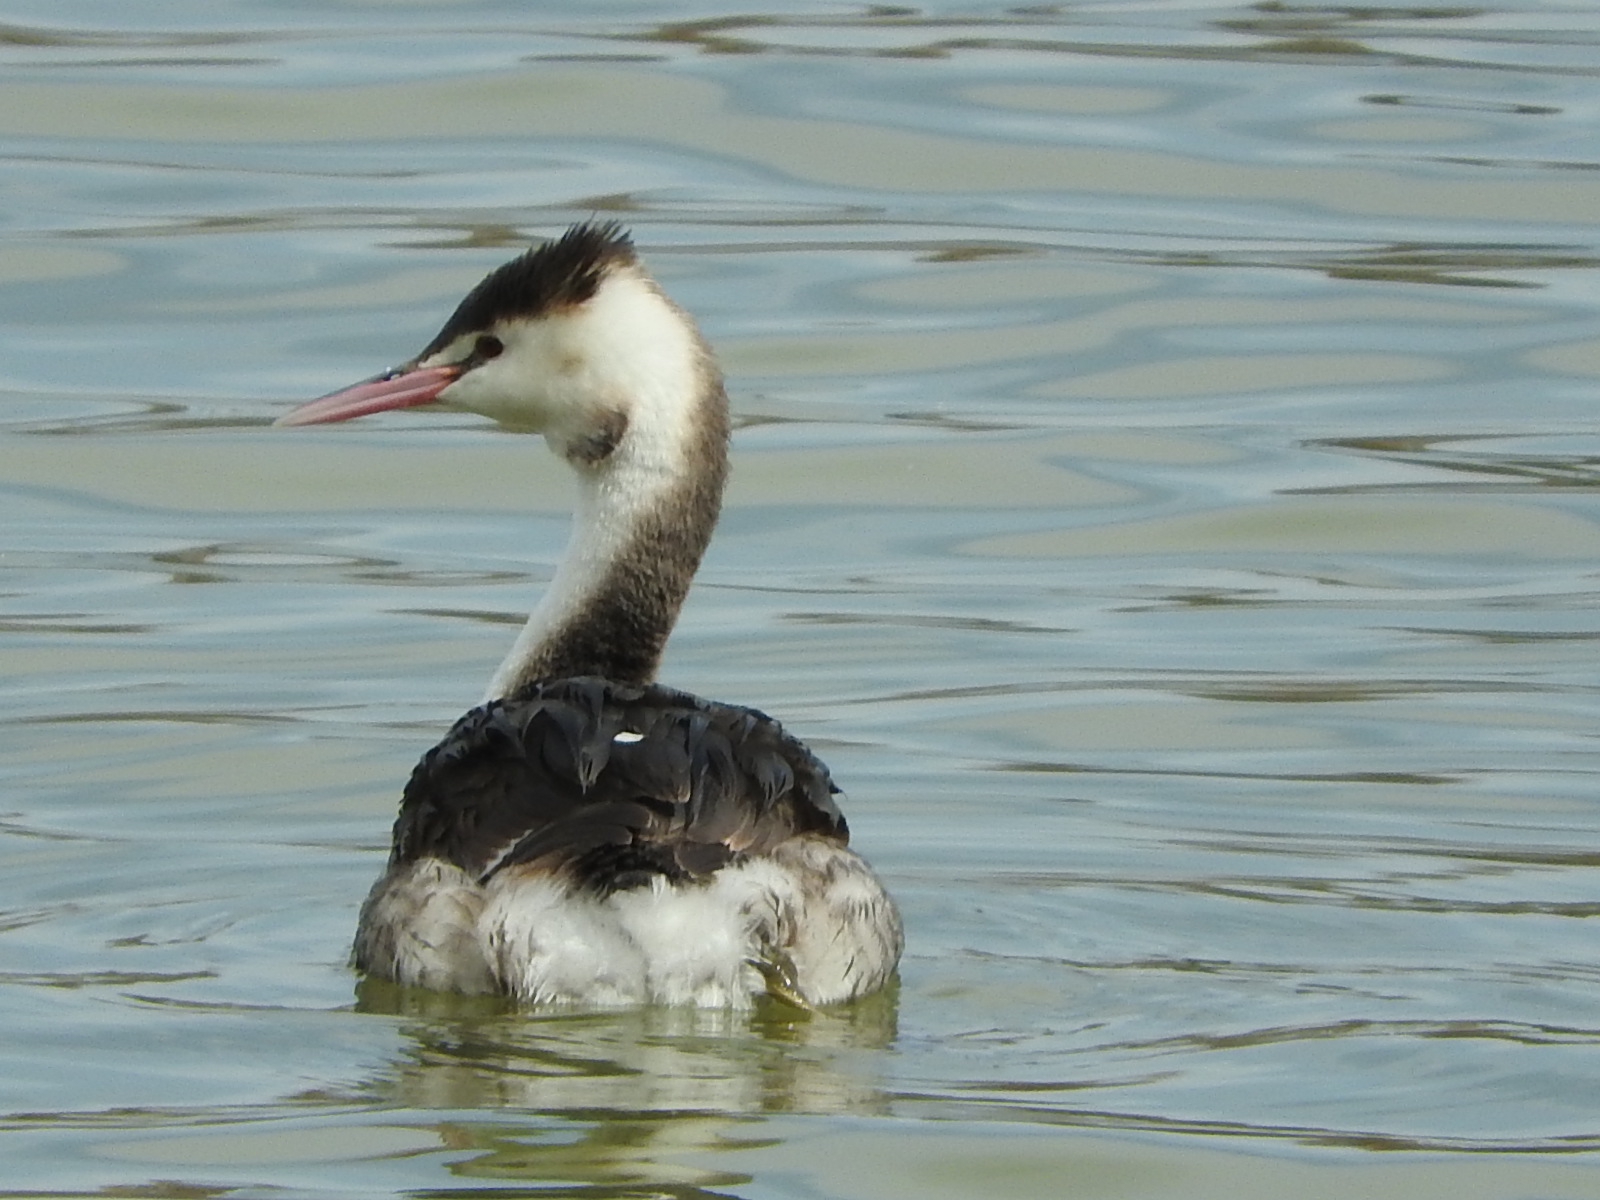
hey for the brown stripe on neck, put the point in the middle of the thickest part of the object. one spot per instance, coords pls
(623, 626)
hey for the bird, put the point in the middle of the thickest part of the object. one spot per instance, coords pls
(587, 836)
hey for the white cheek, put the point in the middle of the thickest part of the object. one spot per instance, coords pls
(468, 393)
(503, 390)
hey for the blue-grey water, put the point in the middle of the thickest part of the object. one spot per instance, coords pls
(1165, 493)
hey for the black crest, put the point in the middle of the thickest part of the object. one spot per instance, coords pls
(556, 275)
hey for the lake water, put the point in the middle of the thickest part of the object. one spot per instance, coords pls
(1165, 493)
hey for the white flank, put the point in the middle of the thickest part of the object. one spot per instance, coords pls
(421, 926)
(814, 907)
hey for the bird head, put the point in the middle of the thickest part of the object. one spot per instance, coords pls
(572, 339)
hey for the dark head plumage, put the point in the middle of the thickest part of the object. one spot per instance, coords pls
(557, 275)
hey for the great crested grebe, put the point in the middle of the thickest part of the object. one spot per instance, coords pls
(587, 836)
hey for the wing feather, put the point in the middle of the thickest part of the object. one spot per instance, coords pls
(612, 784)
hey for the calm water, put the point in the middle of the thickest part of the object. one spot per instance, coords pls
(1165, 493)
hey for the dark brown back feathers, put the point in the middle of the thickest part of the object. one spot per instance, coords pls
(544, 779)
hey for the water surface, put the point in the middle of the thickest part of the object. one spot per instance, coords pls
(1164, 493)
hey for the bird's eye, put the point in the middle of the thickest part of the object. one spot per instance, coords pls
(488, 346)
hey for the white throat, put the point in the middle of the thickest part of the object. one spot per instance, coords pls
(613, 504)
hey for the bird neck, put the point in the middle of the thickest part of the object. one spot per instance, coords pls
(644, 515)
